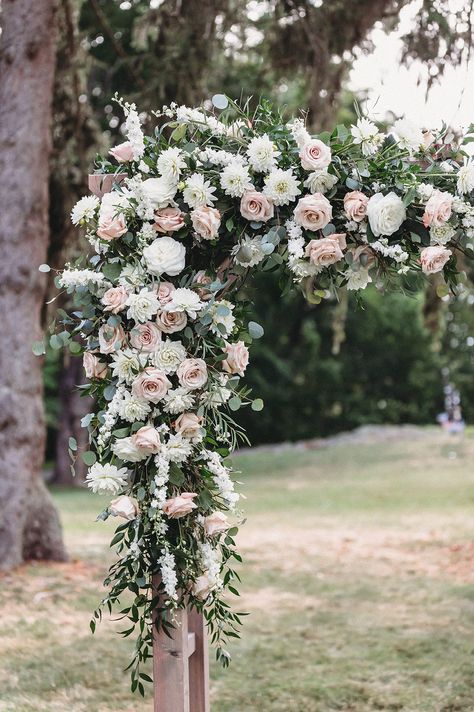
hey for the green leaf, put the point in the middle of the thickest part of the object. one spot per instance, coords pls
(89, 458)
(179, 133)
(55, 342)
(111, 271)
(75, 347)
(38, 348)
(176, 475)
(255, 330)
(235, 403)
(73, 443)
(220, 101)
(442, 290)
(44, 268)
(257, 404)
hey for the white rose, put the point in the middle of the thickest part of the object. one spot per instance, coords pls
(165, 255)
(159, 191)
(127, 450)
(386, 213)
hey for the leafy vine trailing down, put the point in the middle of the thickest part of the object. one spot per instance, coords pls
(178, 221)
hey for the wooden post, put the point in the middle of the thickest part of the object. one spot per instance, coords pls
(181, 665)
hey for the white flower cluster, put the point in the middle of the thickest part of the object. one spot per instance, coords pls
(73, 278)
(395, 252)
(169, 578)
(133, 131)
(222, 478)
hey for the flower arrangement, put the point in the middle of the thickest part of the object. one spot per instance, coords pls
(190, 211)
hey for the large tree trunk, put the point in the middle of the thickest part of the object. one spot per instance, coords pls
(29, 525)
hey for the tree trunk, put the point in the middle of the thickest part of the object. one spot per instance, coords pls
(29, 525)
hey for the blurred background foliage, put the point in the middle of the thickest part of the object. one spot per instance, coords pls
(319, 369)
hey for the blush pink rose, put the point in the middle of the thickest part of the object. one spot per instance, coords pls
(215, 523)
(433, 259)
(203, 586)
(151, 385)
(192, 373)
(147, 439)
(170, 322)
(124, 506)
(168, 220)
(93, 367)
(355, 205)
(313, 212)
(179, 506)
(111, 227)
(202, 278)
(237, 358)
(206, 222)
(189, 425)
(315, 155)
(256, 206)
(123, 152)
(326, 251)
(145, 337)
(165, 292)
(365, 255)
(437, 209)
(111, 338)
(115, 299)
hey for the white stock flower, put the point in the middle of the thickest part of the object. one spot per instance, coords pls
(386, 213)
(159, 191)
(169, 355)
(132, 408)
(165, 256)
(85, 209)
(126, 450)
(126, 365)
(281, 186)
(71, 278)
(133, 131)
(465, 183)
(185, 300)
(299, 132)
(198, 191)
(170, 164)
(142, 306)
(235, 180)
(320, 181)
(178, 400)
(395, 252)
(106, 479)
(408, 135)
(262, 154)
(367, 134)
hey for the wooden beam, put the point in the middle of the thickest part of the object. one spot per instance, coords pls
(199, 664)
(170, 667)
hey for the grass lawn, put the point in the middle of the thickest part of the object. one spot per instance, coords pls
(358, 576)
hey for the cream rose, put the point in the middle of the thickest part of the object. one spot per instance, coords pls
(206, 222)
(386, 213)
(315, 155)
(179, 506)
(165, 256)
(438, 209)
(237, 358)
(215, 523)
(433, 259)
(189, 425)
(151, 385)
(145, 337)
(170, 322)
(313, 212)
(109, 228)
(168, 220)
(93, 367)
(256, 206)
(115, 299)
(192, 373)
(125, 507)
(126, 450)
(203, 586)
(159, 191)
(147, 439)
(355, 205)
(327, 250)
(111, 338)
(123, 152)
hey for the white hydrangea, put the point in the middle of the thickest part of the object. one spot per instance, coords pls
(106, 479)
(185, 300)
(170, 163)
(358, 279)
(465, 183)
(281, 186)
(169, 355)
(178, 400)
(126, 365)
(442, 235)
(366, 133)
(72, 278)
(198, 191)
(235, 180)
(84, 210)
(132, 408)
(320, 181)
(142, 306)
(262, 154)
(408, 135)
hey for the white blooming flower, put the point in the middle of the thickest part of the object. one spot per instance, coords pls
(281, 186)
(408, 135)
(358, 279)
(320, 181)
(446, 167)
(235, 180)
(178, 400)
(84, 210)
(106, 479)
(165, 255)
(386, 213)
(126, 450)
(299, 132)
(178, 449)
(132, 408)
(126, 365)
(132, 276)
(142, 306)
(133, 131)
(170, 163)
(217, 396)
(223, 320)
(262, 154)
(169, 355)
(442, 234)
(396, 252)
(185, 300)
(167, 565)
(221, 477)
(249, 252)
(198, 191)
(367, 134)
(424, 191)
(465, 182)
(159, 191)
(72, 278)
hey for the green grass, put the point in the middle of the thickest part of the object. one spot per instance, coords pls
(358, 576)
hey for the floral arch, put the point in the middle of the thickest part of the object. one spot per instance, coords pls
(177, 221)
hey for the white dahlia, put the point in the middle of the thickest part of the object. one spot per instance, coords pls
(106, 479)
(281, 186)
